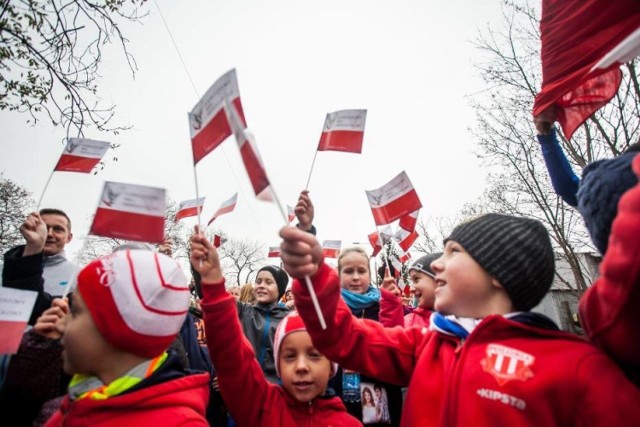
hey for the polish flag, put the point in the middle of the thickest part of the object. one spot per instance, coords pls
(397, 266)
(250, 155)
(374, 239)
(208, 123)
(189, 208)
(404, 257)
(583, 44)
(343, 131)
(16, 306)
(408, 222)
(274, 251)
(393, 200)
(331, 248)
(380, 238)
(81, 155)
(218, 240)
(291, 213)
(226, 207)
(405, 238)
(131, 212)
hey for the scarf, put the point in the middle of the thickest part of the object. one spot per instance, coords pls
(90, 387)
(460, 327)
(361, 301)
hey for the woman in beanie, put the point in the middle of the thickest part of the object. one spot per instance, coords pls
(300, 399)
(363, 300)
(127, 309)
(423, 286)
(485, 359)
(260, 320)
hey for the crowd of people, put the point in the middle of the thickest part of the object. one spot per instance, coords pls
(129, 340)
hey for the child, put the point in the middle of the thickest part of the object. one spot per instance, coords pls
(128, 308)
(485, 360)
(424, 286)
(251, 399)
(609, 309)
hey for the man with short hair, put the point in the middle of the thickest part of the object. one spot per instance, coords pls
(40, 264)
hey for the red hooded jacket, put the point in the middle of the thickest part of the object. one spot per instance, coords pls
(505, 373)
(250, 398)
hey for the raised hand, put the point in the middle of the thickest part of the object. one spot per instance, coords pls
(304, 211)
(51, 322)
(34, 231)
(389, 283)
(204, 258)
(300, 252)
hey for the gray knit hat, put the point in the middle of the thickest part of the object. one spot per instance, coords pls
(423, 264)
(515, 251)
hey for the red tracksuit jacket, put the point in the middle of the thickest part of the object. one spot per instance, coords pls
(504, 374)
(250, 398)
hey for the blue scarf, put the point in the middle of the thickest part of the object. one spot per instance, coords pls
(361, 301)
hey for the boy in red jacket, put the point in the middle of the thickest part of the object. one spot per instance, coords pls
(252, 400)
(485, 360)
(128, 308)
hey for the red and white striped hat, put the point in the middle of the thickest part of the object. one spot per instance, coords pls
(138, 299)
(291, 323)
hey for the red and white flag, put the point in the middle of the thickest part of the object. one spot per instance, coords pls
(393, 200)
(131, 212)
(16, 306)
(189, 208)
(376, 243)
(583, 44)
(250, 155)
(208, 122)
(343, 131)
(81, 155)
(226, 207)
(274, 251)
(331, 248)
(218, 240)
(408, 222)
(403, 258)
(291, 213)
(379, 238)
(405, 238)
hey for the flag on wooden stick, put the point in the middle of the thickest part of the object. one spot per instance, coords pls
(131, 212)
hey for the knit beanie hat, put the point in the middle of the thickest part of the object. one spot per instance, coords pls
(292, 322)
(281, 277)
(603, 183)
(138, 299)
(515, 251)
(423, 264)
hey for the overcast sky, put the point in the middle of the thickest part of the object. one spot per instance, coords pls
(409, 63)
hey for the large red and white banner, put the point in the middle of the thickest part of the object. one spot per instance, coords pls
(409, 222)
(343, 131)
(208, 122)
(274, 251)
(583, 44)
(405, 238)
(226, 207)
(81, 155)
(189, 208)
(393, 200)
(250, 155)
(331, 248)
(131, 212)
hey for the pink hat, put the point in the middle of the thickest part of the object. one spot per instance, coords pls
(291, 323)
(138, 299)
